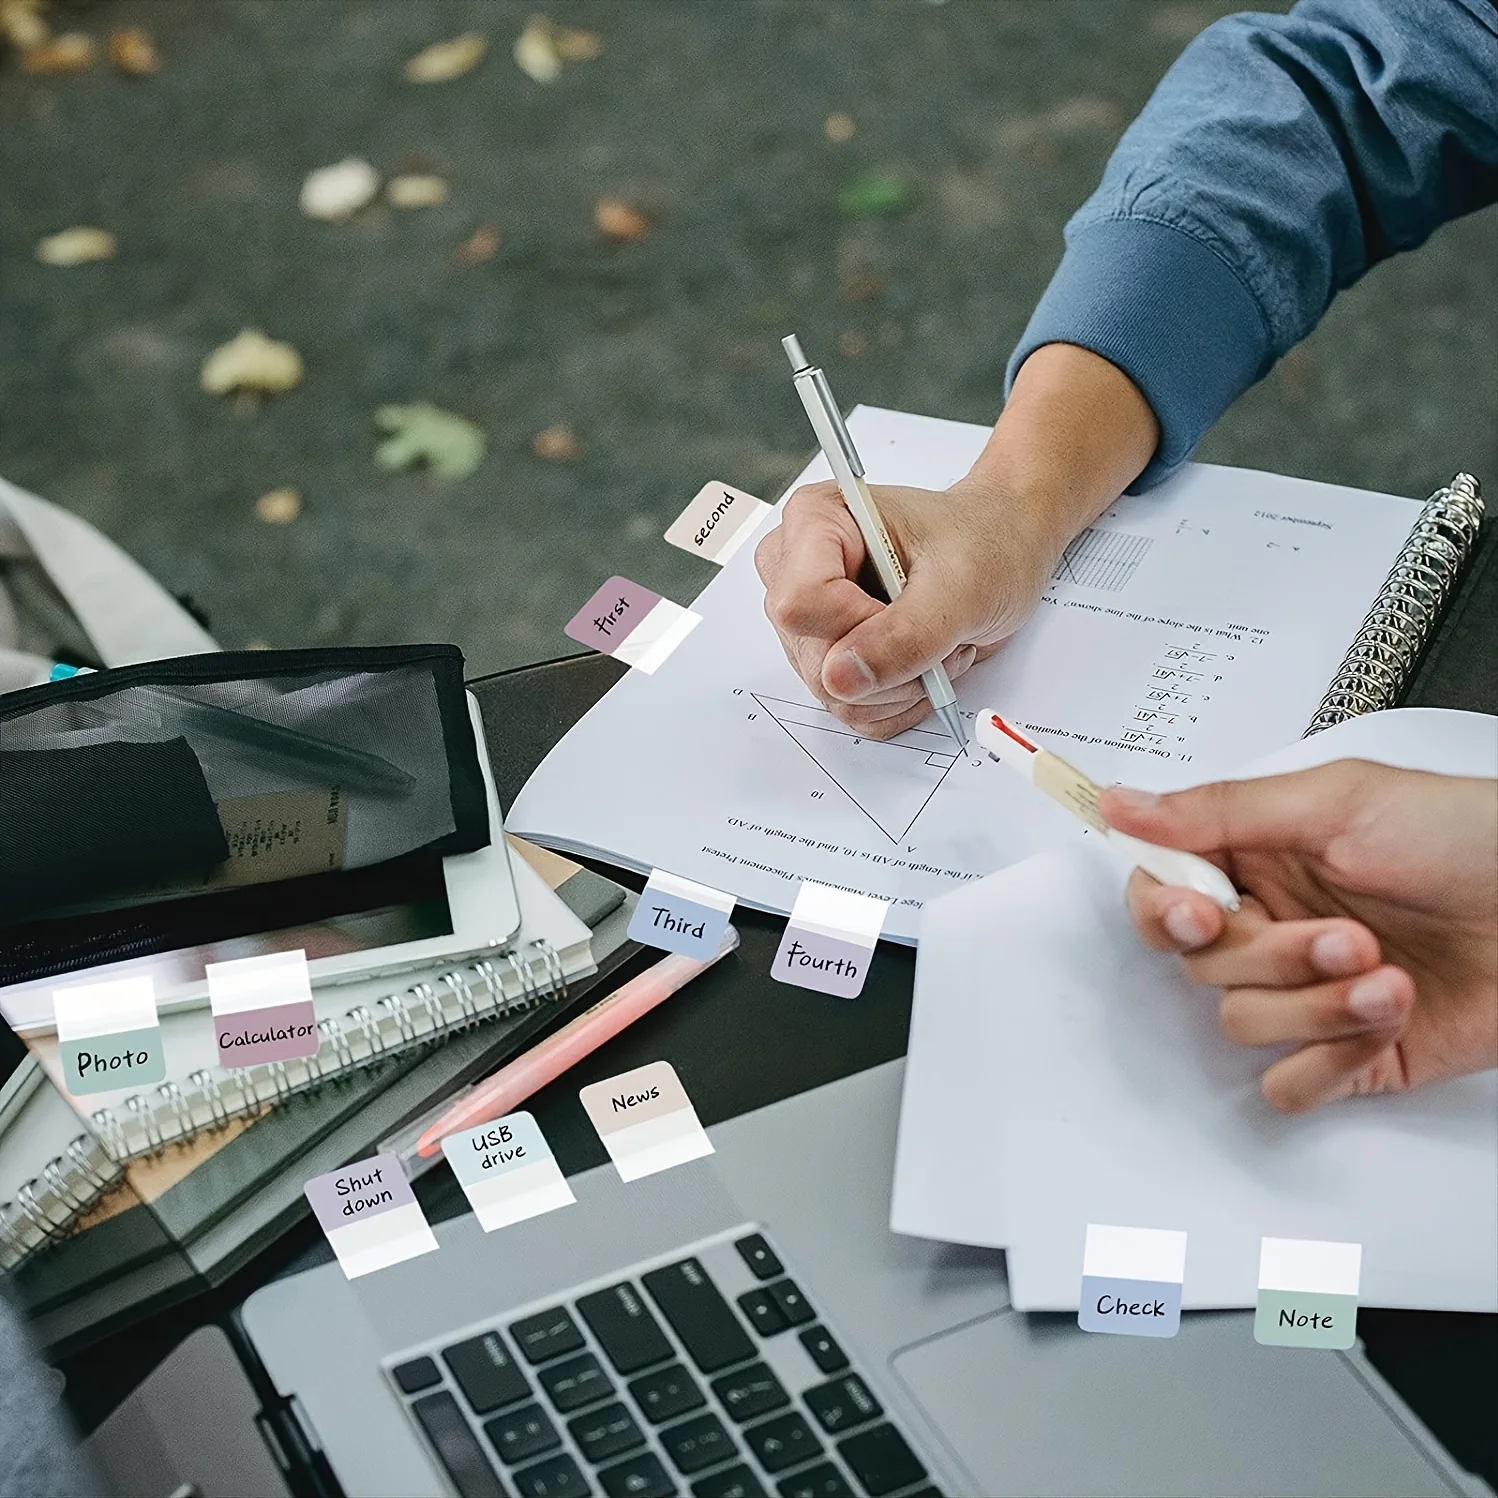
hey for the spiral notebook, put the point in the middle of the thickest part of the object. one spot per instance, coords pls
(129, 1195)
(1186, 631)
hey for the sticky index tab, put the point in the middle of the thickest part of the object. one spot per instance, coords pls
(717, 522)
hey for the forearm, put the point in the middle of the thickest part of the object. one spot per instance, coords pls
(1074, 433)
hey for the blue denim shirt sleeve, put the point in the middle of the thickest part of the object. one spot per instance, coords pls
(1280, 157)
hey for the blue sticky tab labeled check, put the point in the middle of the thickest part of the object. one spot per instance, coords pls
(678, 915)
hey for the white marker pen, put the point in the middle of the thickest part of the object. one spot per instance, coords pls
(1061, 782)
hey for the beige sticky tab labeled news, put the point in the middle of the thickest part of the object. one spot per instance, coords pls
(646, 1121)
(718, 522)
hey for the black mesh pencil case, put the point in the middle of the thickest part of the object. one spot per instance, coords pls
(198, 776)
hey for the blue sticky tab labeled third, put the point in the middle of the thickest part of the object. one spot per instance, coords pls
(680, 916)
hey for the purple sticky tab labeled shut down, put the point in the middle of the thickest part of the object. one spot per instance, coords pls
(364, 1189)
(811, 959)
(611, 615)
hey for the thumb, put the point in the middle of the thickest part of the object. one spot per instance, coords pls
(1300, 812)
(894, 645)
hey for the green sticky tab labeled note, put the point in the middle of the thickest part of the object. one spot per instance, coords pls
(108, 1035)
(1308, 1293)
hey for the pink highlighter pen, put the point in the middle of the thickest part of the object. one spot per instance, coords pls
(512, 1084)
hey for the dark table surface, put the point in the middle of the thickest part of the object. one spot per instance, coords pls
(740, 1041)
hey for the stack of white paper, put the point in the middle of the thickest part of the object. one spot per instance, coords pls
(1061, 1074)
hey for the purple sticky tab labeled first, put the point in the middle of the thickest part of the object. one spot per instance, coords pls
(611, 615)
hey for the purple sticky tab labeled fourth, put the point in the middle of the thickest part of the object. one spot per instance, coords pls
(370, 1214)
(632, 624)
(829, 940)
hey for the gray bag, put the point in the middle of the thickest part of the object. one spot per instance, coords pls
(66, 590)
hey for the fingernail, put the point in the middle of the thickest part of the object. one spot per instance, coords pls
(964, 656)
(1184, 926)
(1335, 953)
(1133, 800)
(1375, 999)
(848, 665)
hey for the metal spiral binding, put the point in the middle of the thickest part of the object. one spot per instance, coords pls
(95, 1163)
(1396, 629)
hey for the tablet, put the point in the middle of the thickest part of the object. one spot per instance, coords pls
(432, 911)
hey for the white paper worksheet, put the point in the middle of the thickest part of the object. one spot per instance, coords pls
(1190, 629)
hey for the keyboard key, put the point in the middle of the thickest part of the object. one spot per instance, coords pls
(557, 1478)
(825, 1352)
(666, 1394)
(621, 1320)
(418, 1374)
(732, 1482)
(881, 1460)
(699, 1315)
(604, 1433)
(549, 1335)
(842, 1404)
(760, 1257)
(823, 1481)
(576, 1382)
(763, 1314)
(488, 1376)
(699, 1443)
(792, 1303)
(457, 1447)
(783, 1442)
(749, 1392)
(641, 1476)
(522, 1433)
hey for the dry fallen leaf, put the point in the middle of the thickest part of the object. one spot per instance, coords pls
(132, 51)
(451, 446)
(839, 127)
(71, 53)
(21, 24)
(852, 345)
(279, 507)
(252, 362)
(575, 45)
(557, 444)
(445, 60)
(416, 190)
(339, 191)
(76, 246)
(481, 245)
(542, 48)
(620, 220)
(860, 284)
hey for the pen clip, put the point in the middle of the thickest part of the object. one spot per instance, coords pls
(835, 420)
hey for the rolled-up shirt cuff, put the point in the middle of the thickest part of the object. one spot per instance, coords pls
(1168, 311)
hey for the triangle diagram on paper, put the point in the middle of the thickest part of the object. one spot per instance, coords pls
(889, 781)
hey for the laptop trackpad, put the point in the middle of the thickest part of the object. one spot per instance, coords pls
(1033, 1405)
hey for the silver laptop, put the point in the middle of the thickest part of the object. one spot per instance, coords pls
(747, 1324)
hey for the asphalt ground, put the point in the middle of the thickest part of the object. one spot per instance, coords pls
(662, 355)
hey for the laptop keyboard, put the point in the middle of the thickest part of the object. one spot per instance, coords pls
(708, 1373)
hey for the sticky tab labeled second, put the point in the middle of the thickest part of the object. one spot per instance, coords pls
(370, 1214)
(717, 522)
(109, 1035)
(1308, 1293)
(507, 1171)
(679, 915)
(632, 624)
(1131, 1281)
(829, 940)
(262, 1009)
(646, 1120)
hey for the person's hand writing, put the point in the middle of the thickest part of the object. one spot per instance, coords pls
(976, 570)
(1368, 937)
(1075, 430)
